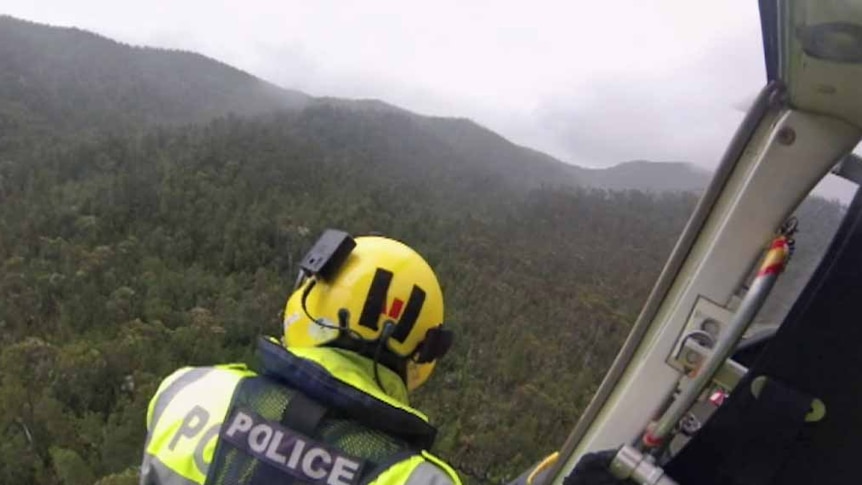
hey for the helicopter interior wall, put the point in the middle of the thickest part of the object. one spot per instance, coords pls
(815, 354)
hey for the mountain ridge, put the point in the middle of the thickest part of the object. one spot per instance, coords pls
(70, 80)
(651, 176)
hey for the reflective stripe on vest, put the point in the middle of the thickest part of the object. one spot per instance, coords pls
(418, 470)
(453, 475)
(184, 420)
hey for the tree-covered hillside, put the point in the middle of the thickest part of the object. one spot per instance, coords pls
(125, 254)
(72, 80)
(126, 257)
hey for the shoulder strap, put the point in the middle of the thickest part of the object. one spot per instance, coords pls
(315, 381)
(303, 414)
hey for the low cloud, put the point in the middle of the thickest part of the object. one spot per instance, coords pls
(593, 86)
(686, 114)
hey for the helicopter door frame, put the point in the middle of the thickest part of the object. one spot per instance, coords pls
(776, 157)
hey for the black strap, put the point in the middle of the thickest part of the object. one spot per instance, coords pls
(303, 414)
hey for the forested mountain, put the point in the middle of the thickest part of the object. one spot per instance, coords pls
(69, 79)
(66, 80)
(133, 242)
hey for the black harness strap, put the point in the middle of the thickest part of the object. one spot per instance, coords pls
(314, 381)
(303, 414)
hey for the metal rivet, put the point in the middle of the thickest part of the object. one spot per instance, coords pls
(786, 135)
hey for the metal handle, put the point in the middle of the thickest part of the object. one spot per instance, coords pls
(633, 465)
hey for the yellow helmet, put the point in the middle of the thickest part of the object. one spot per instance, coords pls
(372, 291)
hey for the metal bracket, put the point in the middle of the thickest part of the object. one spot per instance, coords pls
(693, 353)
(705, 322)
(849, 168)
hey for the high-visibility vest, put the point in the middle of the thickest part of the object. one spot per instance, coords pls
(215, 422)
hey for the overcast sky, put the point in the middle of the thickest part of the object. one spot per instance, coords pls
(593, 83)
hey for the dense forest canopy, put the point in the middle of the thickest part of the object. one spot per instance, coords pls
(136, 238)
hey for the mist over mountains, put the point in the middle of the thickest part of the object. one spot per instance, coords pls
(73, 81)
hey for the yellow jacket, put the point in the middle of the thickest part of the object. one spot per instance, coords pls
(313, 415)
